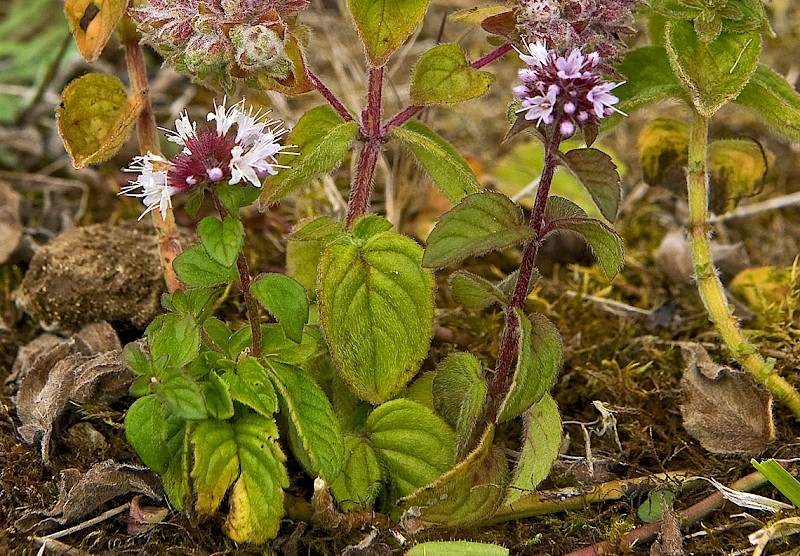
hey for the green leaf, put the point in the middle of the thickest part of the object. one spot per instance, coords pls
(197, 270)
(541, 440)
(244, 454)
(218, 397)
(443, 76)
(652, 509)
(413, 443)
(220, 334)
(711, 73)
(234, 197)
(319, 444)
(468, 493)
(457, 548)
(774, 100)
(459, 394)
(539, 355)
(367, 227)
(197, 302)
(323, 138)
(136, 361)
(648, 78)
(474, 292)
(95, 117)
(480, 223)
(222, 239)
(449, 171)
(285, 299)
(181, 394)
(663, 146)
(357, 486)
(376, 308)
(596, 171)
(384, 25)
(176, 476)
(178, 338)
(146, 431)
(781, 479)
(250, 385)
(305, 246)
(605, 243)
(277, 347)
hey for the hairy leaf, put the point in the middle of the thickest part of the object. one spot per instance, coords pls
(663, 146)
(480, 223)
(469, 492)
(541, 440)
(376, 308)
(539, 355)
(475, 292)
(305, 246)
(285, 299)
(181, 394)
(459, 393)
(384, 25)
(177, 338)
(596, 171)
(197, 270)
(711, 73)
(737, 168)
(251, 386)
(218, 397)
(146, 431)
(605, 243)
(319, 444)
(648, 78)
(449, 171)
(323, 138)
(457, 548)
(413, 443)
(222, 239)
(775, 101)
(95, 117)
(92, 22)
(358, 484)
(443, 76)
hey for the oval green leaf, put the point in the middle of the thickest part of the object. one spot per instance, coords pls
(448, 170)
(384, 25)
(475, 292)
(596, 171)
(304, 249)
(376, 309)
(358, 484)
(413, 443)
(197, 270)
(286, 300)
(459, 393)
(480, 223)
(457, 548)
(443, 76)
(774, 100)
(322, 138)
(222, 239)
(95, 117)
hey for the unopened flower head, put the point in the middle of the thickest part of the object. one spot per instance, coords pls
(569, 90)
(583, 24)
(241, 147)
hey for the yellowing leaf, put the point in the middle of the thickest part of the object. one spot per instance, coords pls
(92, 22)
(95, 117)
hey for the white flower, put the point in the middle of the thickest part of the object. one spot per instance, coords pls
(602, 100)
(570, 68)
(540, 107)
(538, 54)
(225, 117)
(185, 129)
(151, 185)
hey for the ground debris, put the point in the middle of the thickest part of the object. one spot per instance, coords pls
(51, 371)
(82, 493)
(724, 409)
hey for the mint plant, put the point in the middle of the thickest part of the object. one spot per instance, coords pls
(707, 55)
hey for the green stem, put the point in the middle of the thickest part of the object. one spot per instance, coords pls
(708, 282)
(169, 245)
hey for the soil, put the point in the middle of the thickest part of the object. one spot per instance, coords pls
(622, 341)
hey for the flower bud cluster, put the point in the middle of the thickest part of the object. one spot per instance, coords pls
(569, 92)
(220, 41)
(595, 25)
(210, 157)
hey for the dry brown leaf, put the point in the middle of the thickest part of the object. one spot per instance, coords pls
(11, 228)
(670, 539)
(51, 371)
(724, 409)
(80, 494)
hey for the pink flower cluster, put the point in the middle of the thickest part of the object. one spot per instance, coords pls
(566, 91)
(210, 157)
(583, 24)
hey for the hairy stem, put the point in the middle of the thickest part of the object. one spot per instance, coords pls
(251, 305)
(361, 188)
(328, 95)
(708, 282)
(502, 377)
(169, 245)
(690, 515)
(410, 111)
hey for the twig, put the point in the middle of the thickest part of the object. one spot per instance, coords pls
(58, 547)
(690, 515)
(757, 208)
(88, 523)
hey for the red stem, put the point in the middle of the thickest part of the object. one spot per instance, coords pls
(407, 113)
(361, 188)
(329, 96)
(502, 377)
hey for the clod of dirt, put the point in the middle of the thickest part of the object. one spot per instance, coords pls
(94, 273)
(80, 494)
(724, 409)
(11, 228)
(51, 371)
